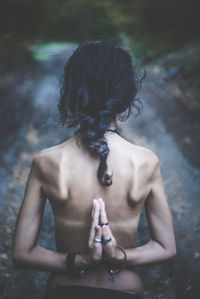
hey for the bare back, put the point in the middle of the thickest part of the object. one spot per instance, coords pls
(69, 175)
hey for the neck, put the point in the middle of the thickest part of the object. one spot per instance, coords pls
(113, 130)
(112, 126)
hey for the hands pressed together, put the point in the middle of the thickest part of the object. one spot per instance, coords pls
(102, 244)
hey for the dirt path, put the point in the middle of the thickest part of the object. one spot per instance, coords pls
(176, 279)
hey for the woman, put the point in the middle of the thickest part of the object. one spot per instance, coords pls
(97, 184)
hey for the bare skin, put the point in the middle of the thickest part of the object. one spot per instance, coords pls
(66, 175)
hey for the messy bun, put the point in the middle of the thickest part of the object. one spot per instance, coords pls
(99, 84)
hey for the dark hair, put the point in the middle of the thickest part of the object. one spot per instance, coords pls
(99, 84)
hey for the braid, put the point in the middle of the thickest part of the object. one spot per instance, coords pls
(103, 177)
(91, 136)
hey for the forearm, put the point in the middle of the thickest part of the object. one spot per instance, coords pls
(41, 259)
(46, 260)
(150, 253)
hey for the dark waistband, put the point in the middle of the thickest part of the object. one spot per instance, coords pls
(76, 292)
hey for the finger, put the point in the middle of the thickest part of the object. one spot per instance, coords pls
(91, 234)
(97, 231)
(96, 247)
(95, 220)
(103, 216)
(105, 233)
(93, 208)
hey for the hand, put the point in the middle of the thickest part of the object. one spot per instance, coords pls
(111, 252)
(95, 248)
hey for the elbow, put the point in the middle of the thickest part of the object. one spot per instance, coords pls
(167, 252)
(19, 260)
(22, 258)
(171, 253)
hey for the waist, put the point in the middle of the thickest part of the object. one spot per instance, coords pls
(99, 278)
(77, 292)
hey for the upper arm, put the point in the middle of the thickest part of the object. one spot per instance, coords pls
(31, 211)
(158, 211)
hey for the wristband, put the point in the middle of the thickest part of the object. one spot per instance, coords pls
(70, 265)
(125, 256)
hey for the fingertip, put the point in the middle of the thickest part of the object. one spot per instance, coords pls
(101, 201)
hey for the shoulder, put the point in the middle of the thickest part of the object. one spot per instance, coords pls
(48, 158)
(145, 159)
(44, 155)
(145, 155)
(146, 152)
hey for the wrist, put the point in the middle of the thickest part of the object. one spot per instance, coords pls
(84, 260)
(120, 256)
(117, 258)
(117, 264)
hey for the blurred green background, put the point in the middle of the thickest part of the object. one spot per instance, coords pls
(153, 27)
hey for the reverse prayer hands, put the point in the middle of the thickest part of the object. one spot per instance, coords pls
(102, 243)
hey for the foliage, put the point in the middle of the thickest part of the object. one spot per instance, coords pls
(154, 24)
